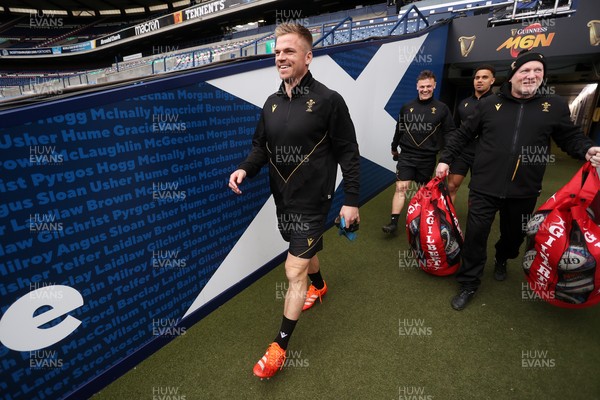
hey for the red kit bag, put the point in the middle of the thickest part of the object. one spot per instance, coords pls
(564, 244)
(432, 229)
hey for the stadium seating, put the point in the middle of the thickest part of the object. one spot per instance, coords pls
(358, 24)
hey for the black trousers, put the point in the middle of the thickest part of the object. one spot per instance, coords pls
(514, 213)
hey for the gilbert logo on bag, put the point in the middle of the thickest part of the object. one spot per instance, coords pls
(432, 229)
(564, 244)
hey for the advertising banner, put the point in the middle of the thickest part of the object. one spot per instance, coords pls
(471, 40)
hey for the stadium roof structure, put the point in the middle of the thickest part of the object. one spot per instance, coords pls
(124, 8)
(91, 8)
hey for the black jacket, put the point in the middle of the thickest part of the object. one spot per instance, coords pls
(465, 109)
(303, 139)
(421, 127)
(513, 148)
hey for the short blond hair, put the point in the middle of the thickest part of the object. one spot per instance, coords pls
(300, 30)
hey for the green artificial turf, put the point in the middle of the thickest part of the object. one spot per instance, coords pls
(385, 331)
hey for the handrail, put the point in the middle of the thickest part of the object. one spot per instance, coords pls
(191, 52)
(255, 43)
(332, 31)
(484, 6)
(405, 17)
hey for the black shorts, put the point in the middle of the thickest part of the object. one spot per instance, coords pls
(461, 165)
(415, 168)
(304, 232)
(464, 162)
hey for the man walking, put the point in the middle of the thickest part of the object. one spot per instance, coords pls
(483, 79)
(422, 125)
(508, 124)
(304, 132)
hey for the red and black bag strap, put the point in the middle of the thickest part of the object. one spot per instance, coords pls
(445, 191)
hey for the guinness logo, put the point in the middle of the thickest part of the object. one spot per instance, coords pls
(594, 26)
(534, 35)
(466, 44)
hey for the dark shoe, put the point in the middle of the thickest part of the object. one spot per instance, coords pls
(389, 228)
(499, 270)
(460, 300)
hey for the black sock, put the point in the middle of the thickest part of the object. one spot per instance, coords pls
(395, 218)
(317, 280)
(283, 337)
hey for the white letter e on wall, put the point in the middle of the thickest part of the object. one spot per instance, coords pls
(20, 329)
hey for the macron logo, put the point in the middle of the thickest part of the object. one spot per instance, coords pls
(283, 335)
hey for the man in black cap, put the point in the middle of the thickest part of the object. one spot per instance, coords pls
(511, 126)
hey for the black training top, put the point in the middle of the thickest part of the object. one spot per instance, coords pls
(465, 109)
(513, 146)
(303, 138)
(422, 126)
